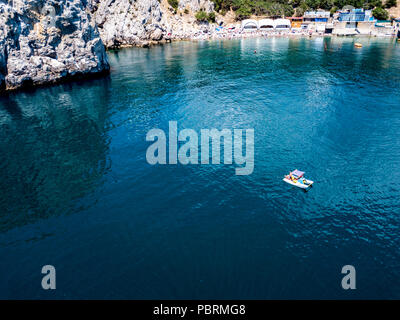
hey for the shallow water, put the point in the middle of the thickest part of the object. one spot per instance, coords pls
(77, 192)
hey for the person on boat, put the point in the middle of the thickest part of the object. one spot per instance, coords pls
(291, 177)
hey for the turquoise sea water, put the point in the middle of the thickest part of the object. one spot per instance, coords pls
(76, 191)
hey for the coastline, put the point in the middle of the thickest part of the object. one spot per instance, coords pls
(197, 36)
(148, 44)
(39, 47)
(286, 34)
(82, 76)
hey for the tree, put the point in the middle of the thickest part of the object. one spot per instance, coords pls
(334, 9)
(246, 8)
(390, 3)
(380, 13)
(243, 13)
(211, 17)
(313, 4)
(288, 10)
(222, 5)
(376, 3)
(217, 5)
(174, 4)
(201, 15)
(243, 8)
(326, 4)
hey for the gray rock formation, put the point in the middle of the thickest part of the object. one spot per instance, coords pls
(45, 41)
(3, 65)
(196, 5)
(128, 22)
(135, 22)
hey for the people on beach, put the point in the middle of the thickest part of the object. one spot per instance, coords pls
(234, 32)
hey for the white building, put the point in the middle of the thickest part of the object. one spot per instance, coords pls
(282, 24)
(249, 25)
(266, 24)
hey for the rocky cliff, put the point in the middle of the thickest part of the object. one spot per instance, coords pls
(134, 22)
(395, 11)
(45, 41)
(196, 5)
(128, 22)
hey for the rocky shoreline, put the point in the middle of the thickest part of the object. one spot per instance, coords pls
(44, 42)
(50, 41)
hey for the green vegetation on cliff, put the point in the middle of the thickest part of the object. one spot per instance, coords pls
(204, 16)
(380, 13)
(174, 4)
(246, 8)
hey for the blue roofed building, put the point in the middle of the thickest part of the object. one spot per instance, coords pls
(356, 15)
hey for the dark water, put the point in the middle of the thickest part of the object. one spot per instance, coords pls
(76, 191)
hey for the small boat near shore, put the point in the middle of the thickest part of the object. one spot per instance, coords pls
(296, 178)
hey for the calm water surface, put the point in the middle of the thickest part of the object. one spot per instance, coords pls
(76, 191)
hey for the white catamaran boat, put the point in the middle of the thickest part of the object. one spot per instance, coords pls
(296, 178)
